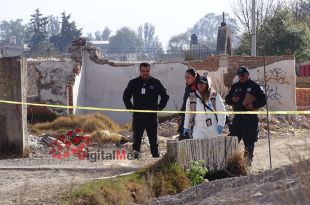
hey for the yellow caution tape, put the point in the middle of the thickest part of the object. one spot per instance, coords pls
(163, 111)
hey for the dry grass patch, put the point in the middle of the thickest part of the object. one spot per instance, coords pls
(89, 123)
(103, 137)
(237, 164)
(162, 178)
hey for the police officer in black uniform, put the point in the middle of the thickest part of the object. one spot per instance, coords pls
(245, 126)
(145, 91)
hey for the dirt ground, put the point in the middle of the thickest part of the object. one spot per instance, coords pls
(283, 149)
(43, 180)
(280, 185)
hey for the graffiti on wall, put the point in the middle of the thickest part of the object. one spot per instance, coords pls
(275, 78)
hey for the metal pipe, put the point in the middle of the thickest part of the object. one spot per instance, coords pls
(253, 40)
(267, 107)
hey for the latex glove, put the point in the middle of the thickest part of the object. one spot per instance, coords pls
(219, 129)
(186, 131)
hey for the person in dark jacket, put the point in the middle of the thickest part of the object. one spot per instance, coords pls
(191, 86)
(145, 91)
(245, 126)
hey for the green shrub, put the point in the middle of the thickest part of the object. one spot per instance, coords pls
(196, 172)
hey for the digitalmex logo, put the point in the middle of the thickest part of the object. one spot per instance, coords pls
(74, 142)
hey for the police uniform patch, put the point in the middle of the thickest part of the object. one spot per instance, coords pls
(249, 89)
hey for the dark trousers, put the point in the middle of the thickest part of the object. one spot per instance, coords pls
(148, 123)
(249, 145)
(245, 127)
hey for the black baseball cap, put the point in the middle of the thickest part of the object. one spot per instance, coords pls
(202, 79)
(242, 70)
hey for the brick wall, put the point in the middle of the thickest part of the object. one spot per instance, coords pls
(280, 75)
(210, 64)
(303, 82)
(303, 98)
(234, 62)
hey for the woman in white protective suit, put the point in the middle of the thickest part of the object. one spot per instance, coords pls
(203, 125)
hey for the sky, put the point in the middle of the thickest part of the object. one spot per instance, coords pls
(170, 17)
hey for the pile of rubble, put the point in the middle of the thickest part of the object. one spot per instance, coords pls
(280, 125)
(283, 124)
(168, 128)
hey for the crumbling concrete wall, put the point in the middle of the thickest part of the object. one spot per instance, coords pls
(13, 123)
(101, 84)
(280, 78)
(48, 81)
(281, 84)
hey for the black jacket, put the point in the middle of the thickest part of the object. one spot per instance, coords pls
(240, 90)
(188, 90)
(148, 101)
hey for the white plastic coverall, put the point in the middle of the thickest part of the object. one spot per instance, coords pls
(200, 128)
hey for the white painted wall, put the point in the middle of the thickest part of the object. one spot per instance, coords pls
(103, 85)
(216, 79)
(79, 88)
(281, 84)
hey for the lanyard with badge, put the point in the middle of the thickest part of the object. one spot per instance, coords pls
(143, 90)
(208, 121)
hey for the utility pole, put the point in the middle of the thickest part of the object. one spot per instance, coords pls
(267, 106)
(253, 46)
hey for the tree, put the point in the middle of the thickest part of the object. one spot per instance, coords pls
(100, 35)
(301, 10)
(243, 13)
(125, 41)
(90, 37)
(37, 33)
(206, 29)
(179, 43)
(152, 46)
(244, 47)
(13, 28)
(53, 26)
(105, 34)
(97, 35)
(146, 33)
(280, 34)
(264, 8)
(68, 33)
(158, 51)
(284, 36)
